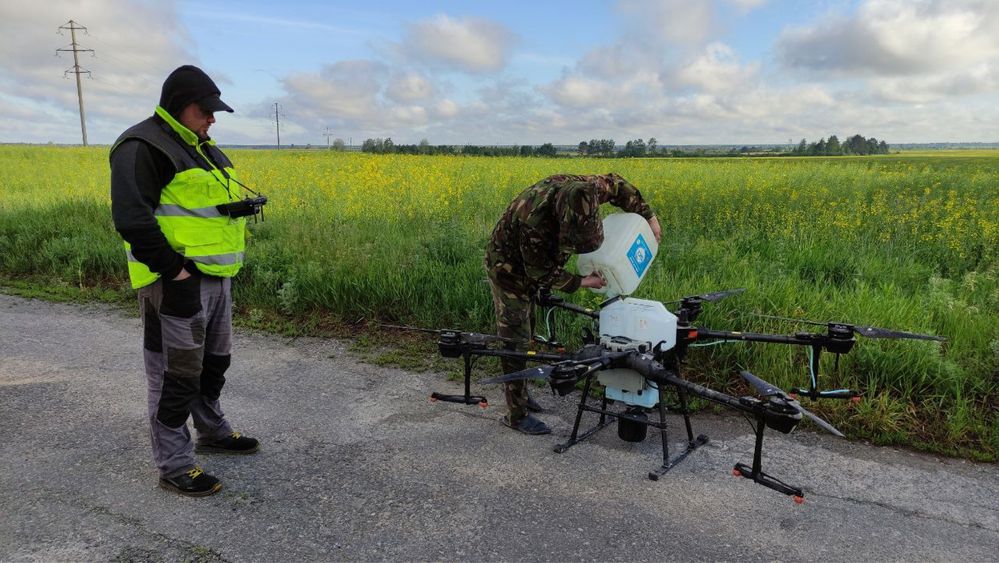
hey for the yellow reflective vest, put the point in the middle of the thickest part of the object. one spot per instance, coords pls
(187, 212)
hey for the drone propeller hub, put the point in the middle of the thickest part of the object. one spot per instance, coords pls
(449, 344)
(563, 382)
(841, 331)
(781, 415)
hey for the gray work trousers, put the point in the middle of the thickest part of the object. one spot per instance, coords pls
(185, 359)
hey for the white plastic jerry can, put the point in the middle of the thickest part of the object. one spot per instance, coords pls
(625, 255)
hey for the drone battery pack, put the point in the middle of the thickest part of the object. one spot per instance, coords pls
(625, 255)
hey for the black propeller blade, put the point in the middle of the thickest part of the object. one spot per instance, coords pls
(867, 331)
(769, 390)
(537, 372)
(762, 387)
(719, 295)
(709, 297)
(875, 332)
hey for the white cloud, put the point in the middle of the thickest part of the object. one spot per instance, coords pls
(982, 78)
(717, 70)
(446, 109)
(343, 90)
(679, 21)
(747, 5)
(408, 87)
(617, 60)
(897, 37)
(472, 45)
(578, 92)
(409, 115)
(909, 52)
(372, 99)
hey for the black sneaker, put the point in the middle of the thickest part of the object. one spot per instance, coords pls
(533, 405)
(527, 425)
(234, 443)
(194, 483)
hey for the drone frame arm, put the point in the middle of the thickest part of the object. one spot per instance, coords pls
(800, 340)
(469, 351)
(656, 372)
(817, 342)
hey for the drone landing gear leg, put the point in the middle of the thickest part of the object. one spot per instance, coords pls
(692, 443)
(574, 438)
(467, 398)
(813, 392)
(756, 471)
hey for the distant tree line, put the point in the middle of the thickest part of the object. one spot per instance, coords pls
(386, 146)
(596, 147)
(856, 144)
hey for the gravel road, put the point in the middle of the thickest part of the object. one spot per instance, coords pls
(357, 464)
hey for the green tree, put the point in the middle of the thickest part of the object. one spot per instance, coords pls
(547, 149)
(833, 147)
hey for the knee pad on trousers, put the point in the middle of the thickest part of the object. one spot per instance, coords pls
(175, 399)
(212, 375)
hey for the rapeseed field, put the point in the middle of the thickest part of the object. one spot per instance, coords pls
(906, 241)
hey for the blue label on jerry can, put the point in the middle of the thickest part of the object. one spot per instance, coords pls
(640, 255)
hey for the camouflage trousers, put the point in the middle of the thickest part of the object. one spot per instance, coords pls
(513, 320)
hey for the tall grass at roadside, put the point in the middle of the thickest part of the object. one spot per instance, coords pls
(907, 242)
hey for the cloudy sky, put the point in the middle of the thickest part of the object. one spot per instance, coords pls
(515, 72)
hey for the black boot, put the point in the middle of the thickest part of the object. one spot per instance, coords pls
(527, 425)
(194, 483)
(234, 443)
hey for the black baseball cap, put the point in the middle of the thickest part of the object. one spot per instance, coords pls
(189, 84)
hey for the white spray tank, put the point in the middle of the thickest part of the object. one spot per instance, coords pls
(625, 255)
(627, 324)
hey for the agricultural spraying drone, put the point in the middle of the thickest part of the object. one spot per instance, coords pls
(635, 353)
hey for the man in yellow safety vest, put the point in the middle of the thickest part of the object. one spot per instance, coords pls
(169, 187)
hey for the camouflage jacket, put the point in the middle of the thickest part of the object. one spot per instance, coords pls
(550, 221)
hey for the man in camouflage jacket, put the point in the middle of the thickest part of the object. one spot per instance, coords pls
(528, 250)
